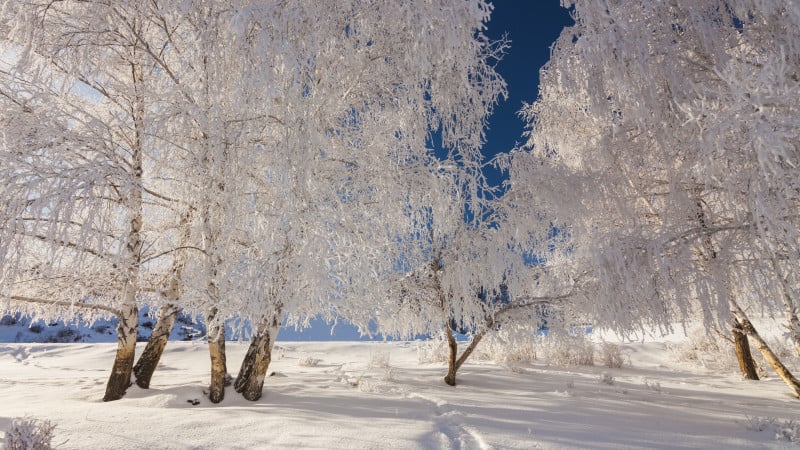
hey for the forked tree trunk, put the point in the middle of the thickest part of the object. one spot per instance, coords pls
(250, 381)
(454, 362)
(148, 361)
(120, 378)
(765, 350)
(216, 349)
(742, 346)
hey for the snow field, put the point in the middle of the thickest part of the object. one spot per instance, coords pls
(360, 395)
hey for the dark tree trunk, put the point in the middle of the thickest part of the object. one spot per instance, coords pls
(216, 349)
(742, 346)
(148, 361)
(454, 362)
(120, 378)
(250, 381)
(452, 345)
(762, 346)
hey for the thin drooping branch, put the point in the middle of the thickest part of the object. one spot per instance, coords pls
(108, 309)
(173, 250)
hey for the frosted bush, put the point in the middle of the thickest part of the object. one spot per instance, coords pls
(506, 347)
(567, 350)
(29, 434)
(654, 386)
(785, 430)
(389, 375)
(378, 359)
(432, 351)
(308, 361)
(511, 344)
(788, 430)
(710, 352)
(611, 355)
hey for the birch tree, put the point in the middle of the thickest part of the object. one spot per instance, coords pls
(347, 137)
(662, 137)
(280, 137)
(76, 141)
(465, 267)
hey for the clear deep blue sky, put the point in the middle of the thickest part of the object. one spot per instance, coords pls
(531, 26)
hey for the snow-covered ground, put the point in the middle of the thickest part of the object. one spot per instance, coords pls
(364, 395)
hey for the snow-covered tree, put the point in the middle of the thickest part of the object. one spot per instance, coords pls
(277, 138)
(664, 136)
(76, 91)
(345, 142)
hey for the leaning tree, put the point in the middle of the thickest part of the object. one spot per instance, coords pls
(663, 138)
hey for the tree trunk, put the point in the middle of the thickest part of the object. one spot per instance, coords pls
(766, 352)
(454, 364)
(120, 377)
(250, 381)
(470, 348)
(740, 343)
(450, 378)
(148, 361)
(216, 349)
(127, 329)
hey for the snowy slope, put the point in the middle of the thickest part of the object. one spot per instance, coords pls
(356, 395)
(18, 328)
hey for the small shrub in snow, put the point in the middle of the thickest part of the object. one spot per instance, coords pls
(517, 369)
(507, 346)
(788, 430)
(710, 352)
(378, 359)
(756, 423)
(611, 355)
(389, 375)
(607, 378)
(785, 430)
(29, 434)
(567, 350)
(308, 361)
(432, 351)
(654, 386)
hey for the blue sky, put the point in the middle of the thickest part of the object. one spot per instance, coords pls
(531, 26)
